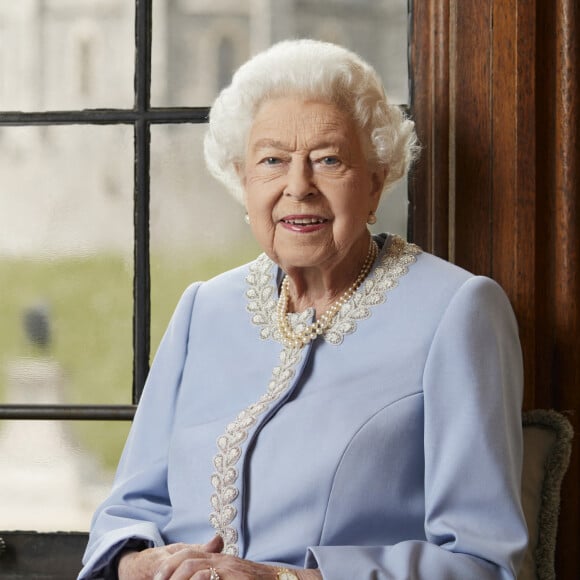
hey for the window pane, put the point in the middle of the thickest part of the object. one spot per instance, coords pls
(57, 55)
(392, 211)
(197, 45)
(197, 228)
(66, 243)
(54, 474)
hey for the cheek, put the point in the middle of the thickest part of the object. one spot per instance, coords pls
(260, 211)
(350, 205)
(262, 176)
(261, 194)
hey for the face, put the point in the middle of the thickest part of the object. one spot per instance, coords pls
(308, 185)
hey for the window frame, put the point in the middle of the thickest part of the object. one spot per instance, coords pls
(141, 116)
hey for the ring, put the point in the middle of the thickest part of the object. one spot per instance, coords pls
(213, 575)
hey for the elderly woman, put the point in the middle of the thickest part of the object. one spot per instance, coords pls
(345, 406)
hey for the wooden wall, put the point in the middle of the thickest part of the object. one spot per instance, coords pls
(495, 96)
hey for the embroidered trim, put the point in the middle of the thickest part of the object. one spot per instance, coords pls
(229, 451)
(261, 305)
(262, 298)
(393, 265)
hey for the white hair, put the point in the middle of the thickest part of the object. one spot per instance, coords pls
(314, 70)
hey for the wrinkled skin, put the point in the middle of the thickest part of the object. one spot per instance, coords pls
(193, 561)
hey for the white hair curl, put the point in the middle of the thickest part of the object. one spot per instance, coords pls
(314, 70)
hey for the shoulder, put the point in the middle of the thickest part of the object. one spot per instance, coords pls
(398, 253)
(221, 294)
(421, 278)
(462, 289)
(227, 284)
(439, 273)
(434, 287)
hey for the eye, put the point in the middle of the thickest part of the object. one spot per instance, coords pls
(330, 160)
(271, 161)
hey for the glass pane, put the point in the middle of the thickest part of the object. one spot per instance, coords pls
(197, 228)
(54, 474)
(197, 45)
(66, 244)
(66, 55)
(392, 211)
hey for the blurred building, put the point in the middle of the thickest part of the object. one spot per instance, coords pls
(68, 189)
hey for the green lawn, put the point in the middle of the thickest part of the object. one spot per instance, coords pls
(89, 302)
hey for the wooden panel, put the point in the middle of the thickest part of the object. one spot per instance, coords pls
(429, 182)
(559, 254)
(473, 148)
(508, 148)
(513, 243)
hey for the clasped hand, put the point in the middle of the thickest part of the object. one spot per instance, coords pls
(191, 562)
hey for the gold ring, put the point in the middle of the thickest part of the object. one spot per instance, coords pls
(213, 575)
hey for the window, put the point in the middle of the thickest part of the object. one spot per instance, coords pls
(225, 62)
(108, 213)
(85, 64)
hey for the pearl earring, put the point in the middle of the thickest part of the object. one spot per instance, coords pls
(372, 219)
(247, 218)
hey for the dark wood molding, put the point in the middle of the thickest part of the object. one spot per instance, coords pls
(429, 183)
(495, 97)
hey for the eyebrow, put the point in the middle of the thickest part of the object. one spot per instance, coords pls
(270, 143)
(266, 143)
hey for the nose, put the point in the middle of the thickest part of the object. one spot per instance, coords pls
(299, 182)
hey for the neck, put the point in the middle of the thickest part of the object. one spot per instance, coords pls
(294, 339)
(321, 287)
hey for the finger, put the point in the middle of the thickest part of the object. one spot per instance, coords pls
(207, 574)
(215, 545)
(182, 551)
(172, 563)
(173, 548)
(213, 574)
(185, 560)
(189, 569)
(195, 570)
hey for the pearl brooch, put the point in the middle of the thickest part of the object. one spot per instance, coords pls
(294, 339)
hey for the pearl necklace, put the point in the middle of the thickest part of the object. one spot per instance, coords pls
(289, 336)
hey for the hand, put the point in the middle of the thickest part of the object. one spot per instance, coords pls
(144, 565)
(193, 562)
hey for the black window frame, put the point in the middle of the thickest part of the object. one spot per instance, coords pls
(141, 116)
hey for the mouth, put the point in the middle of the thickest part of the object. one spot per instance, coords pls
(303, 224)
(303, 220)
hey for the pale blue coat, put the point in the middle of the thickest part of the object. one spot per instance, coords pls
(389, 449)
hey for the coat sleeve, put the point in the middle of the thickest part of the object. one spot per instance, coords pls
(138, 506)
(472, 384)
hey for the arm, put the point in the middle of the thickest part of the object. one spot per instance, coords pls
(472, 385)
(138, 506)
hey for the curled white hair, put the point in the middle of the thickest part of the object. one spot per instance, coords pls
(314, 70)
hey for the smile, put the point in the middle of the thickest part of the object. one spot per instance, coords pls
(303, 221)
(303, 224)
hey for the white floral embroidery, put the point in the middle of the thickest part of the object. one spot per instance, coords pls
(393, 265)
(262, 295)
(229, 450)
(262, 300)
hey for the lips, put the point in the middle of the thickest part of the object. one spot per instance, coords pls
(303, 220)
(303, 224)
